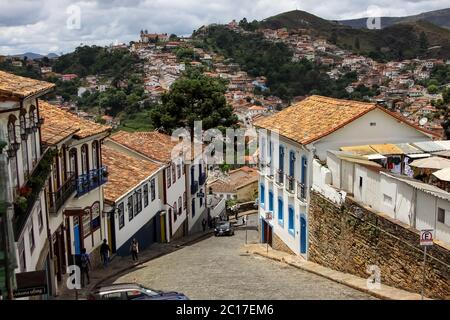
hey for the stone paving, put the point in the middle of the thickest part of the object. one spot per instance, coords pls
(217, 268)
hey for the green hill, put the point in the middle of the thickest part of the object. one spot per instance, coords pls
(440, 18)
(399, 41)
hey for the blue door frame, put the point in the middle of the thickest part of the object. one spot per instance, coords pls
(303, 235)
(76, 238)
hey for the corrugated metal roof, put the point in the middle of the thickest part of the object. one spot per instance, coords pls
(428, 146)
(386, 148)
(445, 153)
(361, 150)
(351, 157)
(425, 187)
(407, 148)
(444, 143)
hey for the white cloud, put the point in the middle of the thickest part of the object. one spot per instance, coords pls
(41, 26)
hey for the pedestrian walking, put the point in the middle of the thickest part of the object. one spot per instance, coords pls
(104, 253)
(243, 220)
(85, 266)
(204, 224)
(134, 248)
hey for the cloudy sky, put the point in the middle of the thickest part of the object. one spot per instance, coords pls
(44, 26)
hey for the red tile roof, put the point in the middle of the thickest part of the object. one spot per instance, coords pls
(125, 172)
(60, 124)
(154, 145)
(318, 116)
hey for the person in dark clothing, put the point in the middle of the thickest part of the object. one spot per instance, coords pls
(134, 248)
(204, 224)
(85, 266)
(104, 253)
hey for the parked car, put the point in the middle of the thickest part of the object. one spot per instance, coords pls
(224, 228)
(132, 291)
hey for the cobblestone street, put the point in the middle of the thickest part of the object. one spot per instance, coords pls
(216, 268)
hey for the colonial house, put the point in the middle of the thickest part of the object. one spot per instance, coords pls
(290, 140)
(26, 174)
(132, 200)
(74, 191)
(239, 184)
(157, 147)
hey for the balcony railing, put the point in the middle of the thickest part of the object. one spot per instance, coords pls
(202, 179)
(29, 193)
(301, 191)
(290, 185)
(58, 198)
(194, 187)
(94, 179)
(280, 177)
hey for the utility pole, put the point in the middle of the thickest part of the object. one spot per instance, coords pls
(424, 268)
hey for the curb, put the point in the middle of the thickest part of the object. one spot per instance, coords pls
(365, 290)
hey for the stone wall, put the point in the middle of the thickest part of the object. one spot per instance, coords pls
(349, 238)
(278, 244)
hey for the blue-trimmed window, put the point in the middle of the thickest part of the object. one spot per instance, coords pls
(304, 169)
(291, 163)
(280, 212)
(291, 227)
(270, 201)
(262, 197)
(281, 159)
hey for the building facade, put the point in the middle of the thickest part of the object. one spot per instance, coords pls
(289, 142)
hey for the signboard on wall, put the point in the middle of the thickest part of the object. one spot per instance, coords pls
(31, 284)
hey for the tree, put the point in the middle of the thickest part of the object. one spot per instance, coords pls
(194, 97)
(357, 44)
(333, 37)
(432, 89)
(423, 41)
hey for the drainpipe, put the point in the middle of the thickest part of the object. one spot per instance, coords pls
(6, 230)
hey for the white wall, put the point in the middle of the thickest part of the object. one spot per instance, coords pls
(199, 210)
(289, 199)
(40, 236)
(131, 227)
(369, 192)
(360, 132)
(173, 193)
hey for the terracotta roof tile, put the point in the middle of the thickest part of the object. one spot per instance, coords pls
(60, 124)
(314, 117)
(22, 87)
(125, 172)
(154, 145)
(317, 116)
(236, 179)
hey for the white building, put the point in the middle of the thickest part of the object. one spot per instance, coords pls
(409, 201)
(157, 147)
(75, 188)
(133, 201)
(296, 136)
(20, 124)
(56, 184)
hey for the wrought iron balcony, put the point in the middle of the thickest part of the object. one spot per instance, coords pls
(202, 178)
(301, 191)
(280, 177)
(290, 185)
(94, 179)
(194, 187)
(58, 198)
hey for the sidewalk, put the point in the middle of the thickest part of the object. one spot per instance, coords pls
(119, 265)
(385, 292)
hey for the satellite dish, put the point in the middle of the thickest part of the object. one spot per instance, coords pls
(423, 121)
